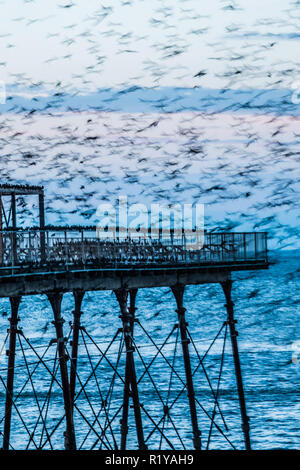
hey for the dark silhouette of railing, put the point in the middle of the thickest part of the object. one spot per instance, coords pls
(72, 247)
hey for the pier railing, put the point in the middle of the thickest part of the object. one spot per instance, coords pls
(72, 247)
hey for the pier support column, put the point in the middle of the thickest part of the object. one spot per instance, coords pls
(227, 286)
(13, 330)
(78, 297)
(132, 307)
(55, 300)
(130, 385)
(178, 292)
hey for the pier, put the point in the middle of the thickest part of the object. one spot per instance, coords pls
(107, 404)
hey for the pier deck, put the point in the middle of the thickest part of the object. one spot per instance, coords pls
(34, 261)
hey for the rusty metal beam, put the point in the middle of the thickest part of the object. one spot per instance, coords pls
(42, 226)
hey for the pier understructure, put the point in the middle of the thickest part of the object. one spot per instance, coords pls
(134, 388)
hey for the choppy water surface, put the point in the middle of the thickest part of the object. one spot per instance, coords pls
(266, 306)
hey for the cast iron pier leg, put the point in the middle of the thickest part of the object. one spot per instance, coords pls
(78, 297)
(55, 301)
(13, 330)
(178, 292)
(227, 285)
(130, 386)
(126, 395)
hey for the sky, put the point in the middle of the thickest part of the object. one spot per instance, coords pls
(163, 101)
(176, 100)
(120, 43)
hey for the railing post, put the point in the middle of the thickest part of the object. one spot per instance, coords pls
(222, 246)
(12, 252)
(227, 286)
(98, 248)
(14, 228)
(66, 249)
(244, 244)
(233, 246)
(42, 227)
(30, 257)
(178, 292)
(82, 248)
(13, 330)
(46, 246)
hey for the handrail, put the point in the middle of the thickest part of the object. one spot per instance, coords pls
(74, 247)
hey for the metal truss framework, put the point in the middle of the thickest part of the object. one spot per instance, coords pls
(73, 393)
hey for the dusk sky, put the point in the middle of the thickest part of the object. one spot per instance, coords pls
(91, 45)
(184, 101)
